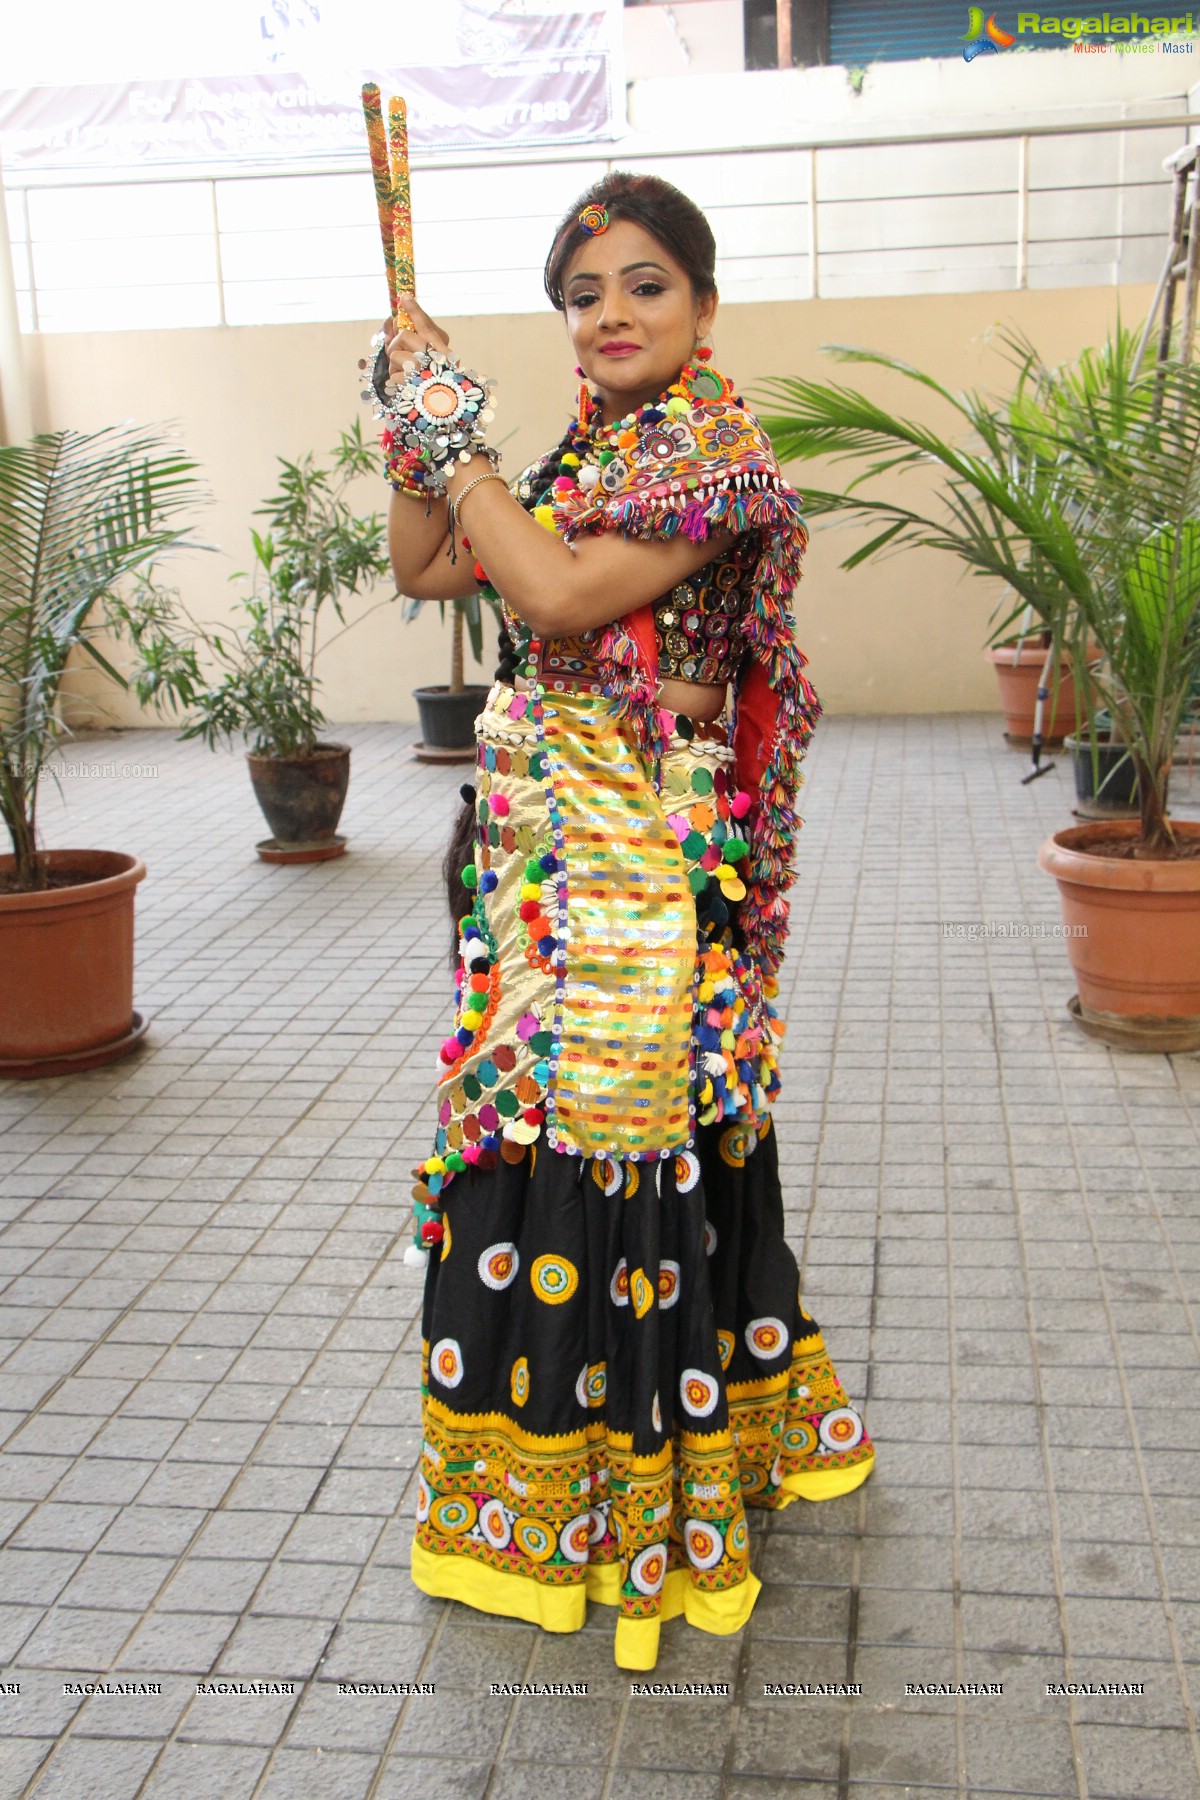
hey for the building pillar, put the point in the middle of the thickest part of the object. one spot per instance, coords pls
(16, 410)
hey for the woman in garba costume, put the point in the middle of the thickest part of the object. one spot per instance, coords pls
(617, 1361)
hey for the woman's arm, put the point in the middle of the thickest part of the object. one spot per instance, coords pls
(562, 589)
(558, 589)
(419, 548)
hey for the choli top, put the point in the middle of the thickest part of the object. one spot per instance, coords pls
(697, 623)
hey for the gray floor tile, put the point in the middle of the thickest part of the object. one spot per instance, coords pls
(186, 1770)
(1155, 1765)
(210, 1397)
(317, 1775)
(95, 1769)
(424, 1778)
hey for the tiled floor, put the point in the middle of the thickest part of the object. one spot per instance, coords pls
(210, 1349)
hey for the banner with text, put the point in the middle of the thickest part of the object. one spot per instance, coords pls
(537, 75)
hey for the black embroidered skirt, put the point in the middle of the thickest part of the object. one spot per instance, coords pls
(616, 1363)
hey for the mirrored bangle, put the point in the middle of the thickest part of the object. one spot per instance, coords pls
(435, 415)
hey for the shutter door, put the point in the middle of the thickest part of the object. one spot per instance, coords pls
(866, 31)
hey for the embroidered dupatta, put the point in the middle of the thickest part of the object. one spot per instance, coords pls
(710, 468)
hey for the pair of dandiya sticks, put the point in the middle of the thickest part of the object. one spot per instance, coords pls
(388, 146)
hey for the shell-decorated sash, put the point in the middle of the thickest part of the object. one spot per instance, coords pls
(707, 467)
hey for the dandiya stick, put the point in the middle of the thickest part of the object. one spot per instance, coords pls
(381, 174)
(402, 235)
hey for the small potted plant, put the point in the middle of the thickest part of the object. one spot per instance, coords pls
(1019, 663)
(79, 513)
(315, 554)
(1105, 778)
(448, 714)
(1081, 492)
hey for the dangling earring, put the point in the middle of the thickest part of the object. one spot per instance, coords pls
(701, 352)
(583, 410)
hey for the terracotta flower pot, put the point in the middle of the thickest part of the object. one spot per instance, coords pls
(66, 967)
(1135, 937)
(1018, 683)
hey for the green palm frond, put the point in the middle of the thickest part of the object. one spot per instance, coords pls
(79, 512)
(1079, 490)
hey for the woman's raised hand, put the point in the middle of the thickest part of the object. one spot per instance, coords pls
(425, 334)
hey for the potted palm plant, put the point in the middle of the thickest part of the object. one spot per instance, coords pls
(1081, 492)
(448, 714)
(79, 513)
(314, 555)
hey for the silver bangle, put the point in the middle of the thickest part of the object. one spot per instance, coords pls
(489, 475)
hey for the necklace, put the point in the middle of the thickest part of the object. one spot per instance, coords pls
(590, 446)
(591, 455)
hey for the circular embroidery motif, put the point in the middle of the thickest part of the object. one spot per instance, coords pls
(424, 1500)
(606, 1174)
(640, 1293)
(656, 1412)
(598, 1523)
(725, 1346)
(618, 1287)
(738, 1538)
(648, 1569)
(494, 1524)
(841, 1429)
(703, 1543)
(735, 1145)
(534, 1540)
(766, 1338)
(699, 1392)
(710, 1237)
(445, 1362)
(498, 1266)
(454, 1514)
(596, 1385)
(518, 1382)
(632, 1180)
(687, 1171)
(581, 1386)
(668, 1283)
(799, 1439)
(573, 1538)
(554, 1279)
(445, 1239)
(440, 401)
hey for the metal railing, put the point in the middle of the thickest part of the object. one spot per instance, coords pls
(819, 151)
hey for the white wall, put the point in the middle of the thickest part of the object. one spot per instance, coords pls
(889, 219)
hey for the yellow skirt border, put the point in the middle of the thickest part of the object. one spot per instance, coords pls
(514, 1596)
(823, 1484)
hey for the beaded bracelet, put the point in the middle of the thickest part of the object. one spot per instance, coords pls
(402, 468)
(435, 414)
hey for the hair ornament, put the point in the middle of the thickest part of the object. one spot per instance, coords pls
(594, 220)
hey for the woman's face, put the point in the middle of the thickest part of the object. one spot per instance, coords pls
(632, 317)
